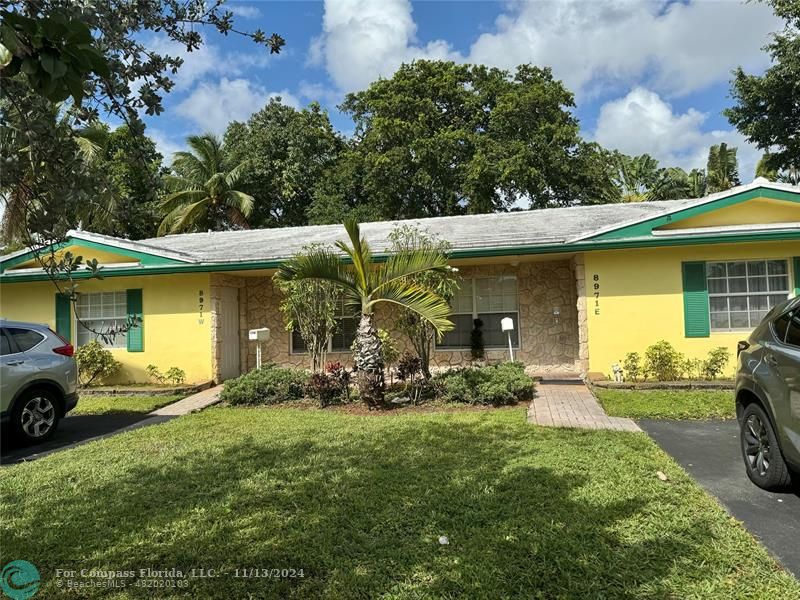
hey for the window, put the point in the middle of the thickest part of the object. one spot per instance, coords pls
(490, 299)
(343, 337)
(741, 293)
(5, 344)
(102, 312)
(793, 333)
(25, 339)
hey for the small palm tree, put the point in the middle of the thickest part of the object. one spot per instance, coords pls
(365, 284)
(203, 190)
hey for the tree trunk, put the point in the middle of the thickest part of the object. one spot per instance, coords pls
(369, 363)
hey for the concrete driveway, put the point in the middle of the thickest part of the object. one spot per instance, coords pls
(709, 451)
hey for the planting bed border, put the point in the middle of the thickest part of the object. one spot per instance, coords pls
(722, 384)
(144, 390)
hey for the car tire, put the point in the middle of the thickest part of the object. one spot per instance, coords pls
(762, 456)
(36, 415)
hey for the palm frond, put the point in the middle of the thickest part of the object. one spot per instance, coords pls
(242, 202)
(182, 198)
(235, 174)
(318, 263)
(409, 263)
(420, 300)
(183, 217)
(359, 253)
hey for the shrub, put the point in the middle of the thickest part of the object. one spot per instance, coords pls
(269, 385)
(174, 375)
(632, 366)
(323, 388)
(341, 378)
(694, 368)
(389, 351)
(494, 385)
(715, 363)
(663, 362)
(95, 363)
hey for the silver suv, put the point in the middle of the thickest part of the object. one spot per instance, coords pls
(38, 379)
(768, 398)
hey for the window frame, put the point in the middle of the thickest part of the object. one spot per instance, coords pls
(7, 330)
(338, 317)
(474, 315)
(747, 294)
(77, 322)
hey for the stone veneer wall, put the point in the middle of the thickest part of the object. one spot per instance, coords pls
(545, 346)
(579, 268)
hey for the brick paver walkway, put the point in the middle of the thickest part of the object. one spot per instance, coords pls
(190, 404)
(572, 405)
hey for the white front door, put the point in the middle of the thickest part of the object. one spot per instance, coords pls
(229, 314)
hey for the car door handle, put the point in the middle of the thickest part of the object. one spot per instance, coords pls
(771, 360)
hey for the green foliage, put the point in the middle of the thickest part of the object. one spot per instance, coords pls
(173, 375)
(269, 385)
(407, 240)
(309, 306)
(662, 362)
(476, 345)
(95, 363)
(203, 190)
(632, 366)
(716, 362)
(55, 53)
(494, 385)
(440, 138)
(389, 349)
(289, 154)
(766, 110)
(694, 368)
(722, 171)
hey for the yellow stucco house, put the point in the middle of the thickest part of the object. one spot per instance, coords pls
(584, 285)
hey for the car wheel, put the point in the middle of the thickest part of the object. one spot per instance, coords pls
(762, 455)
(36, 415)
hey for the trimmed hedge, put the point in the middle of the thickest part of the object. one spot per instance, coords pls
(493, 385)
(269, 385)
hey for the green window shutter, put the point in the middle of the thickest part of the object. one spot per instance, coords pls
(63, 317)
(695, 300)
(135, 333)
(797, 275)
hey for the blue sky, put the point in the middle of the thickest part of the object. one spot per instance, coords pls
(648, 76)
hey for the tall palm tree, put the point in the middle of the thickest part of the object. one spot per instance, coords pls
(722, 172)
(672, 183)
(790, 175)
(634, 175)
(203, 192)
(364, 284)
(697, 183)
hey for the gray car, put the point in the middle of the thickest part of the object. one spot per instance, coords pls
(38, 379)
(768, 398)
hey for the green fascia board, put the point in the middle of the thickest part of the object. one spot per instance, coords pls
(144, 258)
(645, 228)
(587, 246)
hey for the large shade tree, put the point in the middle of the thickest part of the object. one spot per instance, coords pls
(439, 138)
(288, 154)
(365, 283)
(203, 190)
(766, 110)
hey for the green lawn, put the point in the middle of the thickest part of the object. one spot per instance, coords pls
(668, 404)
(358, 504)
(103, 405)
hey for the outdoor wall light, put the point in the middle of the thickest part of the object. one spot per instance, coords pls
(556, 314)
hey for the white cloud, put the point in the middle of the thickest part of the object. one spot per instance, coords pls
(165, 145)
(674, 48)
(642, 122)
(245, 11)
(323, 94)
(213, 105)
(365, 39)
(206, 61)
